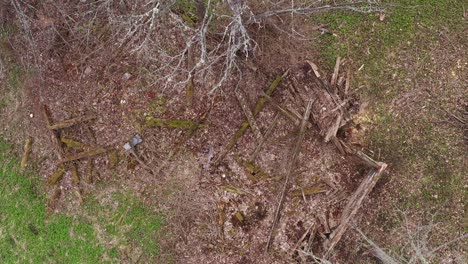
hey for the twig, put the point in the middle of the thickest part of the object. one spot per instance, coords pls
(291, 166)
(310, 10)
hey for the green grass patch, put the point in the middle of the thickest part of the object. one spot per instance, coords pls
(110, 231)
(374, 43)
(28, 234)
(397, 58)
(127, 226)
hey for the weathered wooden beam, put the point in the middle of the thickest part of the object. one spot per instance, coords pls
(70, 122)
(82, 155)
(353, 205)
(290, 168)
(258, 108)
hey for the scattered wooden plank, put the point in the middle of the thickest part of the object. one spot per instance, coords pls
(189, 91)
(89, 172)
(71, 122)
(268, 133)
(318, 188)
(170, 123)
(258, 108)
(75, 175)
(26, 152)
(348, 81)
(54, 134)
(290, 168)
(336, 71)
(354, 203)
(82, 155)
(73, 144)
(56, 176)
(249, 115)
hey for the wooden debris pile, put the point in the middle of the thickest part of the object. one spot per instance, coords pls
(311, 105)
(69, 152)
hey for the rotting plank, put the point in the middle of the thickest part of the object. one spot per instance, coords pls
(82, 155)
(26, 152)
(336, 71)
(268, 133)
(290, 169)
(249, 115)
(258, 108)
(70, 122)
(56, 176)
(353, 206)
(170, 123)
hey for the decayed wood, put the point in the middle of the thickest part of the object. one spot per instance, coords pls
(82, 155)
(26, 152)
(56, 176)
(290, 169)
(314, 68)
(60, 152)
(258, 108)
(336, 71)
(348, 80)
(54, 134)
(289, 115)
(268, 133)
(75, 175)
(70, 122)
(354, 203)
(249, 115)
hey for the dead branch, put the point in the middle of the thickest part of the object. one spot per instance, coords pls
(258, 108)
(249, 115)
(70, 122)
(336, 71)
(82, 155)
(268, 133)
(291, 166)
(359, 7)
(353, 206)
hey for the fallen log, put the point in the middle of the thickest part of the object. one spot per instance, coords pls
(290, 168)
(353, 206)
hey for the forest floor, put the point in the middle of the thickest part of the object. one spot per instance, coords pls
(182, 201)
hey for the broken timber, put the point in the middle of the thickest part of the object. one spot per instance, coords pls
(258, 108)
(249, 115)
(82, 155)
(27, 151)
(291, 166)
(70, 122)
(353, 206)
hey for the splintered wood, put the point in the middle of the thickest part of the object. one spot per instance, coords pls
(308, 103)
(291, 167)
(67, 162)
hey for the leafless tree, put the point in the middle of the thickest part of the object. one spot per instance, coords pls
(176, 49)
